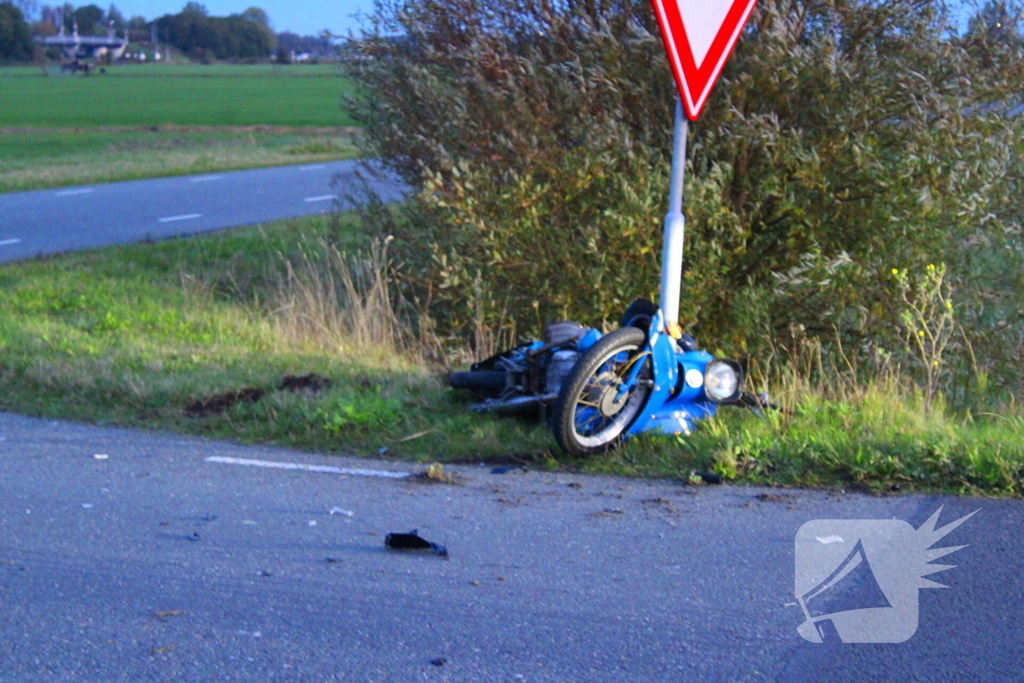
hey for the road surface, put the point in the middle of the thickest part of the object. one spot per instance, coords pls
(155, 564)
(66, 219)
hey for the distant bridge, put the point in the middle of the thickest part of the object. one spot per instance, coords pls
(76, 46)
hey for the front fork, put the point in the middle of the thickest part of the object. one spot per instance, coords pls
(668, 410)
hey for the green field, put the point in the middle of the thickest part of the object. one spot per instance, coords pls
(153, 120)
(153, 95)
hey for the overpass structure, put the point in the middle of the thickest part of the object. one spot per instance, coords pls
(76, 46)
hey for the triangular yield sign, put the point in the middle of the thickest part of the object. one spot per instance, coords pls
(699, 36)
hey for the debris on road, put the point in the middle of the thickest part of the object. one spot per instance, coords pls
(100, 456)
(86, 506)
(413, 541)
(517, 469)
(437, 474)
(169, 613)
(332, 560)
(194, 536)
(775, 497)
(440, 661)
(342, 511)
(698, 478)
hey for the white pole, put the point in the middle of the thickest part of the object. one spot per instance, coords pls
(675, 224)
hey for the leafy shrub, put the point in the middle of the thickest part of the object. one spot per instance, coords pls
(846, 138)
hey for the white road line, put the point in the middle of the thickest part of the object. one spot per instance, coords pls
(68, 193)
(183, 217)
(314, 167)
(13, 240)
(205, 178)
(321, 198)
(308, 468)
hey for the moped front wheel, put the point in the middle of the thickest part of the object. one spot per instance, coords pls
(602, 397)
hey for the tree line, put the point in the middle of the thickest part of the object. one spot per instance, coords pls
(246, 36)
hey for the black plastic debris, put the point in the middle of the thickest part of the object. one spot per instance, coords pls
(413, 541)
(512, 469)
(709, 478)
(194, 536)
(440, 661)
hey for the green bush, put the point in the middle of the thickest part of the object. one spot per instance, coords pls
(846, 138)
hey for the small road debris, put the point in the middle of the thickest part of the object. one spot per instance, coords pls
(413, 541)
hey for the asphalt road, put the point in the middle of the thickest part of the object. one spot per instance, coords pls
(154, 564)
(53, 221)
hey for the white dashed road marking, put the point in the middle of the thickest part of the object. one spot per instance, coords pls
(13, 240)
(315, 167)
(68, 193)
(309, 468)
(321, 198)
(183, 217)
(205, 178)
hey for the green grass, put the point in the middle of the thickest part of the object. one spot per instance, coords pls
(76, 130)
(31, 161)
(153, 95)
(133, 335)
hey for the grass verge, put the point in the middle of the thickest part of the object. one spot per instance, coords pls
(172, 336)
(32, 161)
(278, 334)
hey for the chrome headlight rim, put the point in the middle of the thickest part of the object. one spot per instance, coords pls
(710, 388)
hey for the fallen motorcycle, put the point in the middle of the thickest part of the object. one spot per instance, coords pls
(603, 388)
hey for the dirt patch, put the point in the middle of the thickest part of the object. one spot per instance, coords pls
(775, 497)
(218, 403)
(311, 383)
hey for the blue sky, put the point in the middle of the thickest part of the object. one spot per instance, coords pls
(304, 18)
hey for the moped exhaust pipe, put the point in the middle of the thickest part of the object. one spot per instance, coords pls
(512, 405)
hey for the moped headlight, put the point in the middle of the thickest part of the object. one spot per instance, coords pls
(722, 379)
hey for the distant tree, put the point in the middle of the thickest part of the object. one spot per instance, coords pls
(28, 8)
(114, 14)
(66, 12)
(42, 28)
(87, 18)
(243, 36)
(15, 39)
(137, 23)
(317, 45)
(257, 15)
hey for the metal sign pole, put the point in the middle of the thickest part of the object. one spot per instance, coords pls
(675, 224)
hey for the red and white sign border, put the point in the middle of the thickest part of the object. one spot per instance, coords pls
(695, 83)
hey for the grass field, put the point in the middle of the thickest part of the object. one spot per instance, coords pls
(199, 335)
(58, 130)
(156, 95)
